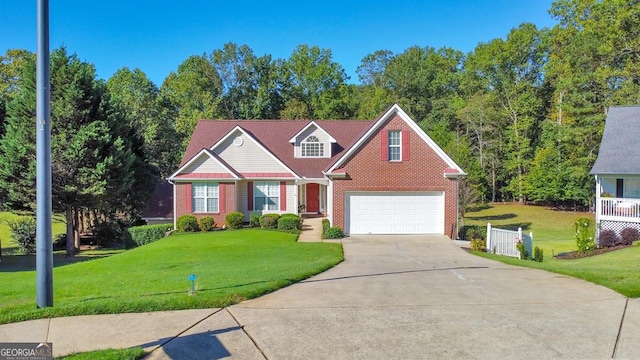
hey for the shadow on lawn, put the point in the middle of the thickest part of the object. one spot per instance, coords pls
(492, 217)
(16, 263)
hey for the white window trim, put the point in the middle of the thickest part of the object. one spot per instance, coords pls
(399, 145)
(312, 140)
(266, 185)
(206, 197)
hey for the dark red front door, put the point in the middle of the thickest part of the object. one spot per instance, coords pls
(313, 193)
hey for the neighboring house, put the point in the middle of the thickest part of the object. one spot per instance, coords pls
(617, 171)
(380, 177)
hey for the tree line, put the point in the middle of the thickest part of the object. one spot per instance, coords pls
(523, 114)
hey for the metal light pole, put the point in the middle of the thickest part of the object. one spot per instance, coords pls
(44, 245)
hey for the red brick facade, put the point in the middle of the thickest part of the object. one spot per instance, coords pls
(423, 171)
(227, 196)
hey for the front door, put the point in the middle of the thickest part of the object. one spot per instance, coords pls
(313, 194)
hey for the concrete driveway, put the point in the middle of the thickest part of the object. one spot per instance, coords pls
(420, 297)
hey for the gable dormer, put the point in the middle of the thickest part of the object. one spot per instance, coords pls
(312, 142)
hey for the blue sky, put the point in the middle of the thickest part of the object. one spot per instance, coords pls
(156, 36)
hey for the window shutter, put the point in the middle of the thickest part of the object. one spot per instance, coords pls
(222, 198)
(250, 195)
(384, 147)
(189, 197)
(283, 196)
(405, 145)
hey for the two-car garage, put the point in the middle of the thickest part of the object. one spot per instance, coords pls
(394, 212)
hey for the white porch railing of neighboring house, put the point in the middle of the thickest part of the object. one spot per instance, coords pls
(618, 209)
(503, 242)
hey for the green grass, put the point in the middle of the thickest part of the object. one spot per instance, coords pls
(552, 229)
(553, 232)
(8, 245)
(618, 270)
(230, 266)
(109, 354)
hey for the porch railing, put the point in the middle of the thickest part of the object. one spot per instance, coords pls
(620, 209)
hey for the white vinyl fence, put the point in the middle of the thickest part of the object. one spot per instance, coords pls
(503, 242)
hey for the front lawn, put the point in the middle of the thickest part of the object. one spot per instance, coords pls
(8, 245)
(553, 230)
(618, 270)
(230, 266)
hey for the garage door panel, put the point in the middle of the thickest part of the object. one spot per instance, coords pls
(395, 213)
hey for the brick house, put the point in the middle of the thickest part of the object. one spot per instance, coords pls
(379, 177)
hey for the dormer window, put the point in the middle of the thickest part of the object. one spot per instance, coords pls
(312, 147)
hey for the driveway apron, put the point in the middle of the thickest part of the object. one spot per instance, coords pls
(419, 297)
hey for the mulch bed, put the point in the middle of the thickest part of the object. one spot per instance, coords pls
(576, 255)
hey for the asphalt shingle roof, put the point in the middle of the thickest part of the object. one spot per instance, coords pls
(620, 146)
(275, 134)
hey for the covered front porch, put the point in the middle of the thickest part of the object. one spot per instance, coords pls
(312, 197)
(618, 198)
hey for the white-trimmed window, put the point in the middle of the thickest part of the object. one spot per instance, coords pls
(312, 147)
(395, 152)
(205, 197)
(266, 195)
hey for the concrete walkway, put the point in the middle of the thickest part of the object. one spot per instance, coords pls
(311, 230)
(394, 297)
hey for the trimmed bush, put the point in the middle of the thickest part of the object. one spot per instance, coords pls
(629, 235)
(188, 223)
(478, 244)
(235, 220)
(538, 254)
(584, 234)
(607, 238)
(325, 225)
(334, 232)
(475, 232)
(207, 223)
(289, 222)
(145, 234)
(269, 221)
(23, 231)
(254, 219)
(108, 232)
(59, 241)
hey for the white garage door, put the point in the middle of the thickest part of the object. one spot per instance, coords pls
(395, 213)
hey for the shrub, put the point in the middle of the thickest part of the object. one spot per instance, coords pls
(607, 238)
(289, 222)
(524, 254)
(254, 219)
(478, 244)
(538, 254)
(629, 235)
(584, 234)
(207, 223)
(188, 223)
(145, 234)
(23, 231)
(269, 221)
(325, 225)
(108, 232)
(475, 232)
(334, 232)
(234, 220)
(59, 242)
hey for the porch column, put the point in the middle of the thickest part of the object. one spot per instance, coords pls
(296, 201)
(598, 201)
